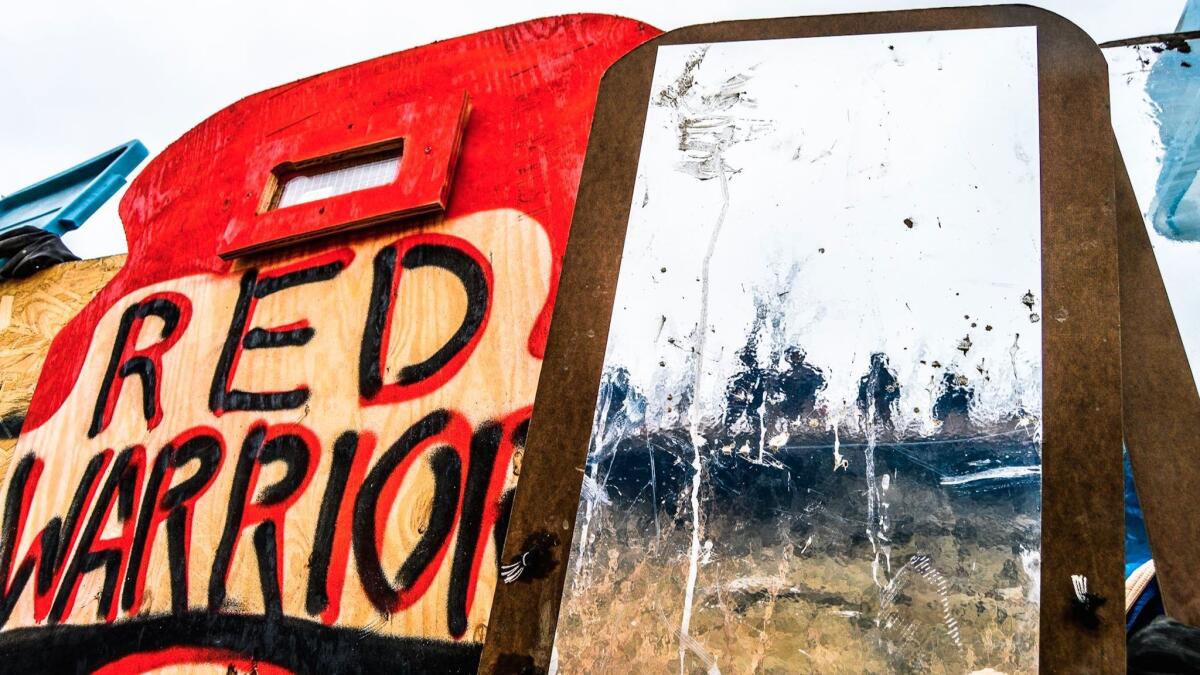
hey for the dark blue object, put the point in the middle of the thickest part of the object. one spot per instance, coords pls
(63, 202)
(1137, 544)
(1147, 606)
(1137, 552)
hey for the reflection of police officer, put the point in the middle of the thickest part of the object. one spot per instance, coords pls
(764, 400)
(879, 389)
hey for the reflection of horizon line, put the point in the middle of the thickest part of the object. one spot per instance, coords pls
(878, 444)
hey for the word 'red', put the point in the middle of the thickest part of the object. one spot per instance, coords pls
(469, 465)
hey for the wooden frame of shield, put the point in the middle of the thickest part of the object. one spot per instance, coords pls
(1161, 402)
(1082, 531)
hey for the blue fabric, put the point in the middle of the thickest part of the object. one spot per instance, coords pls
(1137, 545)
(1190, 19)
(1174, 86)
(1137, 551)
(1148, 605)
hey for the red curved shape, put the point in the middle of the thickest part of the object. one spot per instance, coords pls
(189, 656)
(532, 89)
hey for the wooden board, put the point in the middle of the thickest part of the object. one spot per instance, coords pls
(32, 311)
(1161, 407)
(1081, 405)
(1151, 80)
(300, 460)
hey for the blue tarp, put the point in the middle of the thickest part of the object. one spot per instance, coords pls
(1137, 546)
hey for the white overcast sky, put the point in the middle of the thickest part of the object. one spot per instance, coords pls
(82, 76)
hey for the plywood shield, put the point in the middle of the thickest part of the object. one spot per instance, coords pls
(32, 311)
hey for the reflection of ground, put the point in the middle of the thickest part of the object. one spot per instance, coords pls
(785, 581)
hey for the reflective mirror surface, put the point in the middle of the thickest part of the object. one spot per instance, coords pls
(816, 444)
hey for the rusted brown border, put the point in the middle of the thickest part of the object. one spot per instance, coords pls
(1162, 408)
(1082, 475)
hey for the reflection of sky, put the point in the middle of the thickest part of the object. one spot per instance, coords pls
(1150, 123)
(825, 167)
